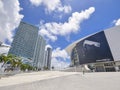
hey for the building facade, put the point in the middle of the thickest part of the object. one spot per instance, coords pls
(0, 43)
(39, 58)
(24, 41)
(49, 51)
(99, 51)
(48, 55)
(28, 44)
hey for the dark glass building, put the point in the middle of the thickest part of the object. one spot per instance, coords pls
(100, 51)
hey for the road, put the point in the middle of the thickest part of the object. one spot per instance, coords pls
(63, 81)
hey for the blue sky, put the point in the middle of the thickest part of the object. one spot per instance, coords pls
(105, 12)
(61, 22)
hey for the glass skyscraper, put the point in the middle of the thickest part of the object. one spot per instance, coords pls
(39, 59)
(48, 55)
(28, 44)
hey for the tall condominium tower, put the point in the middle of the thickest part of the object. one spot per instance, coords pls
(48, 57)
(28, 44)
(24, 41)
(0, 43)
(39, 53)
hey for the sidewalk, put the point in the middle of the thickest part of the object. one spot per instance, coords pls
(31, 77)
(66, 81)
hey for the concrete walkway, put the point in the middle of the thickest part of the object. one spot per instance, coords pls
(62, 81)
(31, 77)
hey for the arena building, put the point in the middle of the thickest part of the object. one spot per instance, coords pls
(98, 52)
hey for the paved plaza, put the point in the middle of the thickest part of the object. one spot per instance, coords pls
(55, 80)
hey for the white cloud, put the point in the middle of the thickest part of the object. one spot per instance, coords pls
(58, 64)
(52, 29)
(117, 22)
(59, 58)
(54, 5)
(9, 18)
(48, 35)
(4, 50)
(60, 53)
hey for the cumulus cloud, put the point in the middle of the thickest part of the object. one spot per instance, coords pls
(59, 58)
(60, 53)
(9, 18)
(117, 22)
(4, 50)
(52, 29)
(47, 34)
(58, 64)
(54, 5)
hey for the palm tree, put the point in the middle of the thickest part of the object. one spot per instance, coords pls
(10, 59)
(18, 63)
(3, 58)
(15, 61)
(22, 67)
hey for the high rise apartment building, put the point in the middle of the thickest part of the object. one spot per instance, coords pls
(48, 55)
(39, 59)
(28, 44)
(24, 41)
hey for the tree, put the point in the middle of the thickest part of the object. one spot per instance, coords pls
(14, 60)
(1, 58)
(4, 59)
(45, 68)
(52, 67)
(10, 59)
(24, 67)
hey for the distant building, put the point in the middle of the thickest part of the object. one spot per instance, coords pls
(39, 53)
(28, 44)
(0, 43)
(48, 58)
